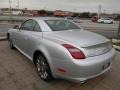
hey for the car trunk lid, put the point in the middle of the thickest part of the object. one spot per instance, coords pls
(90, 43)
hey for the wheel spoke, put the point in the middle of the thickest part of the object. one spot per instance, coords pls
(42, 68)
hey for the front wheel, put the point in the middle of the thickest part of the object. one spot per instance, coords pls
(102, 21)
(43, 68)
(10, 43)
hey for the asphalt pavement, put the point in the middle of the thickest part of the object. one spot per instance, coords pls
(4, 28)
(108, 30)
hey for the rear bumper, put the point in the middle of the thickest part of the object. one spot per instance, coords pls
(89, 77)
(88, 68)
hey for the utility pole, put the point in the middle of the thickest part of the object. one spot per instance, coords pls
(119, 31)
(99, 10)
(18, 4)
(10, 10)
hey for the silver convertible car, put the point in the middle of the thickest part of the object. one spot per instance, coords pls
(59, 48)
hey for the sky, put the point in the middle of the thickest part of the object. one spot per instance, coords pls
(107, 6)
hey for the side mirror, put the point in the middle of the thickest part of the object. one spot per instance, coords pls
(16, 27)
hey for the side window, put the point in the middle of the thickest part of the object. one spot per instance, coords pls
(28, 25)
(37, 28)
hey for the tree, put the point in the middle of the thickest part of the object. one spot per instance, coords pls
(93, 14)
(76, 15)
(42, 12)
(85, 15)
(49, 13)
(118, 17)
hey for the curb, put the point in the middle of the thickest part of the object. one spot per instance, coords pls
(8, 23)
(116, 40)
(3, 38)
(116, 46)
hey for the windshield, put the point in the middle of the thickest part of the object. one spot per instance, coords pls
(105, 18)
(60, 25)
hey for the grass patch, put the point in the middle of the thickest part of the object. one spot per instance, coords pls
(118, 44)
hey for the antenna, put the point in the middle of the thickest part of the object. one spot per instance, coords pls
(10, 10)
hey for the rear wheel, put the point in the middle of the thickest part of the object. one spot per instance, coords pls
(43, 68)
(111, 22)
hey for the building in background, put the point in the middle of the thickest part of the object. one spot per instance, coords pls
(6, 11)
(59, 13)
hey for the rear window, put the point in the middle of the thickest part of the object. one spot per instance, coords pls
(60, 25)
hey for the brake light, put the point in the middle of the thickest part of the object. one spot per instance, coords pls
(75, 52)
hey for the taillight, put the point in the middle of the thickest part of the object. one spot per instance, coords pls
(75, 52)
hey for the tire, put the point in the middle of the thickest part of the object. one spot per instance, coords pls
(10, 43)
(111, 23)
(43, 68)
(102, 21)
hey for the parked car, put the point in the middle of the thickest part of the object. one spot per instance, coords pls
(105, 20)
(69, 18)
(61, 49)
(94, 18)
(77, 20)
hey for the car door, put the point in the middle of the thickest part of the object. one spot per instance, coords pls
(21, 34)
(33, 39)
(30, 36)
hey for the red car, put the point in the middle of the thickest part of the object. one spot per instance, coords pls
(94, 19)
